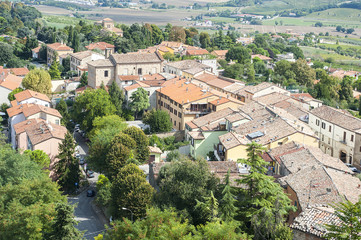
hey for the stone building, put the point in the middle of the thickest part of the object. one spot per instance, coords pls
(106, 70)
(55, 50)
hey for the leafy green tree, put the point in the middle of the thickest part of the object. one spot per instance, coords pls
(67, 168)
(27, 196)
(130, 190)
(350, 226)
(119, 152)
(227, 206)
(158, 120)
(76, 42)
(83, 80)
(116, 97)
(345, 91)
(62, 107)
(11, 96)
(92, 104)
(139, 101)
(261, 193)
(54, 70)
(6, 53)
(65, 65)
(304, 74)
(218, 230)
(157, 225)
(103, 191)
(39, 156)
(240, 54)
(109, 121)
(205, 40)
(234, 71)
(142, 143)
(63, 226)
(184, 182)
(38, 80)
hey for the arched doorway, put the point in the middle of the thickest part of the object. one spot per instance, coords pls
(343, 156)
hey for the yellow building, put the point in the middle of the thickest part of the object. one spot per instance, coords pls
(55, 50)
(184, 101)
(269, 132)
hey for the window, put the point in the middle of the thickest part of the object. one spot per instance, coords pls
(323, 125)
(329, 128)
(351, 138)
(323, 137)
(192, 142)
(105, 73)
(175, 123)
(57, 122)
(344, 136)
(179, 115)
(318, 122)
(175, 112)
(140, 71)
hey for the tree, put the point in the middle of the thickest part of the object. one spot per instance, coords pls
(350, 30)
(6, 53)
(27, 196)
(158, 120)
(139, 101)
(205, 40)
(116, 97)
(142, 143)
(318, 24)
(182, 183)
(76, 41)
(240, 54)
(227, 204)
(177, 34)
(338, 28)
(54, 70)
(261, 194)
(104, 130)
(39, 156)
(350, 227)
(103, 191)
(62, 107)
(234, 71)
(119, 153)
(92, 104)
(345, 92)
(67, 168)
(208, 208)
(218, 230)
(38, 80)
(11, 96)
(131, 190)
(304, 74)
(63, 226)
(83, 80)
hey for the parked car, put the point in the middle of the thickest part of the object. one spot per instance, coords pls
(90, 174)
(82, 161)
(90, 193)
(77, 155)
(352, 168)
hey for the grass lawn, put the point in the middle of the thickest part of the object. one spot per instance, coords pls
(62, 21)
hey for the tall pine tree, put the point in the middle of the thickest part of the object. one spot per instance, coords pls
(67, 168)
(54, 70)
(63, 227)
(227, 204)
(116, 97)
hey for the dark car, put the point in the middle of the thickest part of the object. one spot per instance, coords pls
(90, 174)
(90, 193)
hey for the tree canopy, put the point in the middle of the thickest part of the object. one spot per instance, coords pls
(158, 120)
(38, 80)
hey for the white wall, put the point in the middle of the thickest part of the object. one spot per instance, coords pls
(12, 121)
(36, 101)
(4, 92)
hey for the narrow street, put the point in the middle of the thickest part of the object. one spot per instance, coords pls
(89, 220)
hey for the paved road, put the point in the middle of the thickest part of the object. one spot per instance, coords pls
(88, 219)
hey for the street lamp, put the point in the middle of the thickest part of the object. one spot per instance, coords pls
(126, 209)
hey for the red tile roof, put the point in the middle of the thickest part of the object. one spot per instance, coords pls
(59, 47)
(11, 82)
(24, 95)
(19, 71)
(99, 45)
(197, 52)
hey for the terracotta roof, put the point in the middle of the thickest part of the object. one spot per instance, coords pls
(136, 58)
(41, 132)
(262, 57)
(131, 87)
(99, 45)
(155, 76)
(26, 94)
(337, 117)
(313, 220)
(313, 187)
(255, 110)
(107, 20)
(154, 149)
(128, 77)
(272, 98)
(13, 103)
(197, 52)
(36, 50)
(59, 47)
(11, 82)
(220, 53)
(21, 126)
(19, 71)
(31, 110)
(205, 77)
(17, 109)
(196, 135)
(219, 101)
(154, 83)
(193, 70)
(259, 87)
(171, 44)
(182, 91)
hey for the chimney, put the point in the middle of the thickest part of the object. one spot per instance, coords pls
(107, 52)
